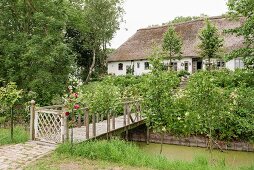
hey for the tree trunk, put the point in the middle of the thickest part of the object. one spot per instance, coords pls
(91, 67)
(11, 123)
(162, 138)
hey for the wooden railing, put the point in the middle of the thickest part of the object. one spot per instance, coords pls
(51, 124)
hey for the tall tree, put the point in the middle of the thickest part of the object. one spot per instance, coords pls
(172, 44)
(211, 42)
(32, 48)
(90, 28)
(243, 8)
(103, 18)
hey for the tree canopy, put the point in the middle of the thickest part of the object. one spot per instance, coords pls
(211, 42)
(243, 8)
(43, 42)
(172, 44)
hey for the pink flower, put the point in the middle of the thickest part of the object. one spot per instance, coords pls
(67, 114)
(76, 106)
(75, 95)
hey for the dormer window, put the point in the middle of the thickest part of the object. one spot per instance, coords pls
(120, 66)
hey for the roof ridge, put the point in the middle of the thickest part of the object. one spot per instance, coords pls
(195, 20)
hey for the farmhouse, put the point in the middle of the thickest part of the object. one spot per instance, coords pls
(134, 53)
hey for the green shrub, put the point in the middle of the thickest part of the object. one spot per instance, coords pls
(182, 73)
(230, 104)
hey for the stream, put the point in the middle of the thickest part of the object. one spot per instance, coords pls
(175, 152)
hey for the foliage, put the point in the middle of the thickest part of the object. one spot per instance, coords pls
(183, 73)
(102, 99)
(172, 44)
(90, 22)
(243, 8)
(219, 103)
(181, 19)
(20, 136)
(206, 102)
(158, 99)
(211, 42)
(32, 49)
(129, 154)
(9, 95)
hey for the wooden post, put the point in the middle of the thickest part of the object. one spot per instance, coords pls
(124, 114)
(87, 122)
(101, 117)
(138, 111)
(128, 114)
(32, 115)
(113, 122)
(124, 119)
(147, 135)
(85, 109)
(108, 125)
(128, 121)
(79, 120)
(97, 117)
(94, 125)
(63, 128)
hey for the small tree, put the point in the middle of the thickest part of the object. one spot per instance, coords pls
(158, 98)
(206, 102)
(238, 8)
(172, 44)
(8, 97)
(211, 42)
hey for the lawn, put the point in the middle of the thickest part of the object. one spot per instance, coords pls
(20, 135)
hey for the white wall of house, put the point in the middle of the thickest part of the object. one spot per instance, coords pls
(184, 63)
(235, 64)
(113, 68)
(139, 67)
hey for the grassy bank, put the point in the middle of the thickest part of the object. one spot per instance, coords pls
(64, 162)
(125, 153)
(20, 135)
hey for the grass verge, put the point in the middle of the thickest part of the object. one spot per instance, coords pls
(124, 153)
(63, 162)
(20, 136)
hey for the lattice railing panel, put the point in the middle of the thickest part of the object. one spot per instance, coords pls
(48, 126)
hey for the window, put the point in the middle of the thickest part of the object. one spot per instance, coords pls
(220, 64)
(174, 66)
(186, 66)
(146, 65)
(120, 66)
(138, 65)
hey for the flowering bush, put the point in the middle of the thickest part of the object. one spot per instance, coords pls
(71, 98)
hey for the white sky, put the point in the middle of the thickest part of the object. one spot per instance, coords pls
(142, 13)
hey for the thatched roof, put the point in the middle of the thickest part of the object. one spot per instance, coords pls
(140, 45)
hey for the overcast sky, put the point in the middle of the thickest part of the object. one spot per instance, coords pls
(142, 13)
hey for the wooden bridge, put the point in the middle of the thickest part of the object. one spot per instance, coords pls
(50, 123)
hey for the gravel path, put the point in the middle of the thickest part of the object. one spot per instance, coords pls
(19, 155)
